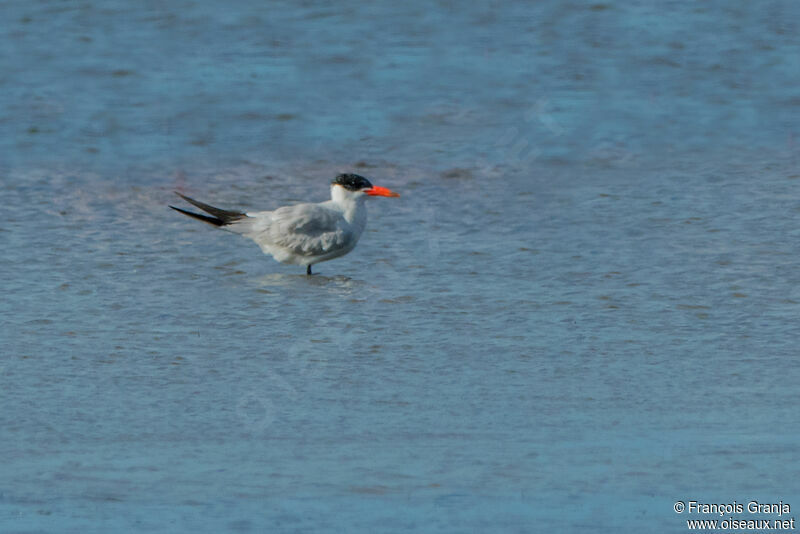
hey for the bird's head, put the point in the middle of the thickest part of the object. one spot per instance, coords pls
(355, 186)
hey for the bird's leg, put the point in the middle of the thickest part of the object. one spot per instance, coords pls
(308, 270)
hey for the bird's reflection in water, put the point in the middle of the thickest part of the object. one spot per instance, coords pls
(301, 280)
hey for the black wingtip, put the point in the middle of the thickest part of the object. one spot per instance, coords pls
(204, 218)
(225, 216)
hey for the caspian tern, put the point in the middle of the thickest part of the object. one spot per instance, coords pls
(303, 234)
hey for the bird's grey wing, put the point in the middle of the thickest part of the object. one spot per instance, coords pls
(302, 229)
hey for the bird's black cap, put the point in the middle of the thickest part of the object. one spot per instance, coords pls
(352, 182)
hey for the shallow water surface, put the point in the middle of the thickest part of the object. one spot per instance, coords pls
(582, 309)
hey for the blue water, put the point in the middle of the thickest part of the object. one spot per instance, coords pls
(583, 308)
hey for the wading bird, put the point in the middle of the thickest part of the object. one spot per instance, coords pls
(303, 234)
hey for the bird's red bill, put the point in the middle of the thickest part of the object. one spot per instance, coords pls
(377, 191)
